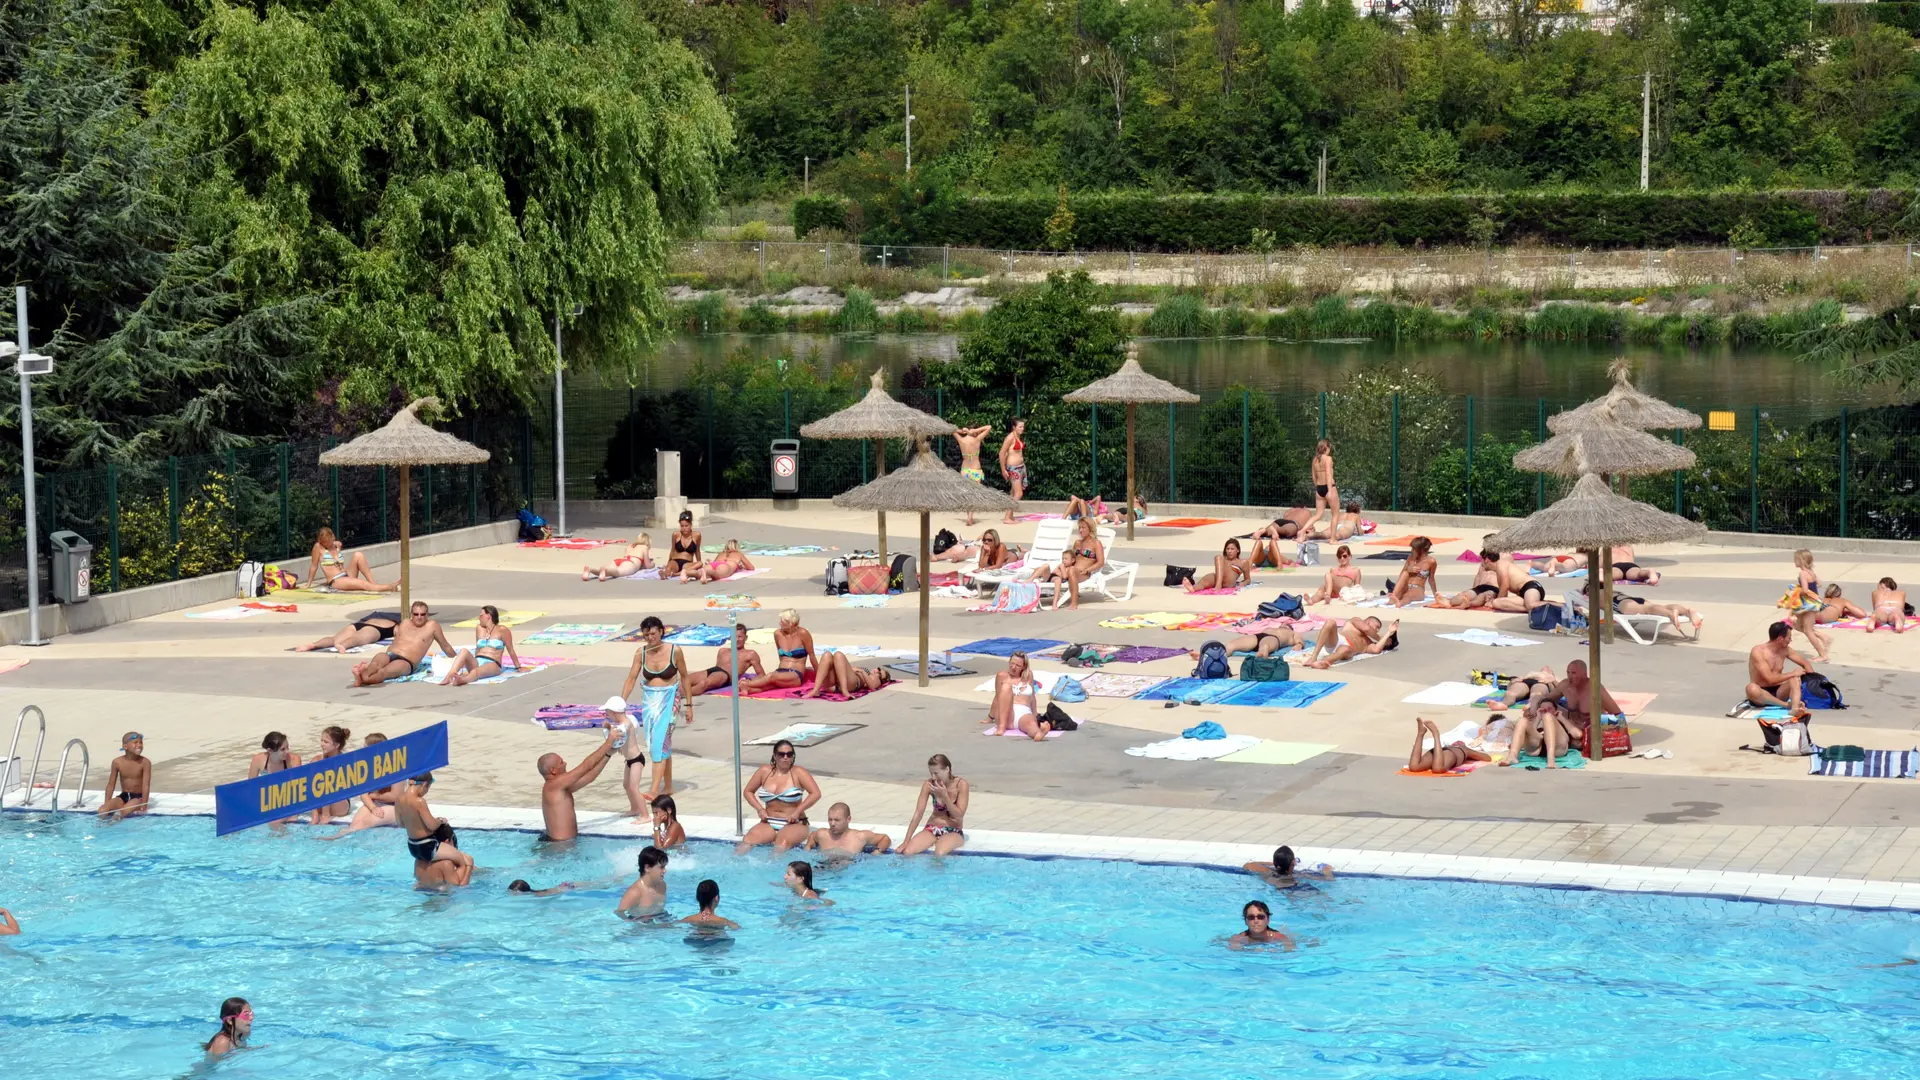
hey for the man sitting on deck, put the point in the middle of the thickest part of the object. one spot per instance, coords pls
(1767, 680)
(1575, 696)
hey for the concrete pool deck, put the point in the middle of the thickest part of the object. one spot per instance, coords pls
(204, 692)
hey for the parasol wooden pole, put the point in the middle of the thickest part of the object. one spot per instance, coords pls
(1605, 570)
(925, 594)
(880, 469)
(1593, 659)
(406, 523)
(1129, 510)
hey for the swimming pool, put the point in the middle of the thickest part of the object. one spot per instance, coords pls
(978, 967)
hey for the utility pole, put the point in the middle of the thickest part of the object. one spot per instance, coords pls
(28, 364)
(1646, 124)
(1323, 168)
(806, 176)
(559, 435)
(909, 127)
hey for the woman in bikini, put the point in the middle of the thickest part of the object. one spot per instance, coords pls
(838, 673)
(969, 440)
(780, 792)
(1342, 575)
(793, 644)
(1889, 606)
(1342, 641)
(1013, 463)
(660, 670)
(1625, 569)
(333, 742)
(1229, 570)
(1803, 616)
(1262, 643)
(332, 568)
(729, 562)
(1838, 607)
(1015, 704)
(639, 557)
(1488, 584)
(1342, 526)
(720, 675)
(1435, 758)
(1524, 690)
(1326, 497)
(989, 552)
(684, 543)
(492, 644)
(1088, 557)
(946, 794)
(371, 630)
(1415, 579)
(273, 756)
(1266, 539)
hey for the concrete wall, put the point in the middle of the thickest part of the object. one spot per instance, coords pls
(106, 609)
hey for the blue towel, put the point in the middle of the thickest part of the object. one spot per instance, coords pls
(1569, 759)
(1203, 691)
(1282, 695)
(1006, 646)
(699, 634)
(1880, 764)
(1208, 730)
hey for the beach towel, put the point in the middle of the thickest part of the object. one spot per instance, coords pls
(1148, 620)
(1386, 556)
(285, 609)
(1206, 729)
(378, 646)
(437, 667)
(756, 547)
(1570, 759)
(226, 613)
(1874, 765)
(731, 601)
(1108, 684)
(1407, 540)
(1473, 556)
(1012, 598)
(698, 634)
(1450, 693)
(936, 669)
(1228, 590)
(941, 581)
(1039, 517)
(507, 618)
(794, 693)
(570, 543)
(1580, 573)
(1144, 654)
(1298, 656)
(1189, 690)
(1095, 654)
(1480, 636)
(573, 634)
(868, 601)
(1281, 695)
(1016, 733)
(12, 665)
(1632, 702)
(1214, 620)
(321, 596)
(1404, 771)
(1181, 522)
(580, 717)
(804, 735)
(1006, 646)
(735, 576)
(1385, 600)
(1271, 752)
(1194, 749)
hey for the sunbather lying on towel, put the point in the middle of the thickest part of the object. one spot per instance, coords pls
(836, 672)
(639, 557)
(1341, 641)
(1265, 643)
(1428, 755)
(411, 640)
(1636, 605)
(374, 628)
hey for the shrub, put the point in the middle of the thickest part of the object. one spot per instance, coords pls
(1499, 489)
(1211, 461)
(1181, 315)
(820, 212)
(760, 318)
(859, 313)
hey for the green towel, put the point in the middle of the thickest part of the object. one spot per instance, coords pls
(1572, 759)
(1843, 752)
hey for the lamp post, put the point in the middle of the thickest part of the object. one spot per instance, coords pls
(28, 363)
(560, 429)
(910, 119)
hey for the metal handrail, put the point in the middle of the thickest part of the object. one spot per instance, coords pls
(86, 765)
(27, 778)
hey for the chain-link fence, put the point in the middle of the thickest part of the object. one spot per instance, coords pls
(177, 517)
(1795, 469)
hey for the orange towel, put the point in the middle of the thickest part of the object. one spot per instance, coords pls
(1403, 541)
(1404, 771)
(1183, 523)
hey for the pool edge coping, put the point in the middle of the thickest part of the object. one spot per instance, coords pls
(1852, 893)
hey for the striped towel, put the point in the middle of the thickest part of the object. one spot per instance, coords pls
(1013, 598)
(1878, 765)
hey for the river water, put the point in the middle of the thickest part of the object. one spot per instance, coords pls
(1720, 375)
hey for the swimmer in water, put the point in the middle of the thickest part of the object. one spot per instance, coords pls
(837, 837)
(709, 896)
(1283, 871)
(9, 925)
(646, 898)
(236, 1023)
(1259, 931)
(438, 861)
(519, 885)
(800, 879)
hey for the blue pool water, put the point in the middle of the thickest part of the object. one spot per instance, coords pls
(978, 967)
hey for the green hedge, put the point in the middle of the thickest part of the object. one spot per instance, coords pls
(1142, 221)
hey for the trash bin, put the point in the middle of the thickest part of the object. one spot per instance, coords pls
(72, 567)
(786, 466)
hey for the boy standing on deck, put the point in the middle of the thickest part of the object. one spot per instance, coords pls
(132, 774)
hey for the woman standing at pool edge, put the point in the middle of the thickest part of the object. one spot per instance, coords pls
(1013, 463)
(969, 440)
(236, 1023)
(948, 795)
(661, 671)
(1326, 497)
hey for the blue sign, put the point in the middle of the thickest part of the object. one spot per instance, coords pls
(277, 796)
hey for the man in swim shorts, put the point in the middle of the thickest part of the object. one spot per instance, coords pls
(969, 440)
(438, 862)
(646, 898)
(411, 640)
(838, 837)
(132, 772)
(1767, 680)
(558, 783)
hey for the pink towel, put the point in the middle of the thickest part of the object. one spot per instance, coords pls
(793, 693)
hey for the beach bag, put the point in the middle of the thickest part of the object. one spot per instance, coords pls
(1264, 669)
(1057, 716)
(533, 527)
(837, 576)
(1788, 738)
(943, 540)
(1309, 553)
(904, 576)
(1080, 656)
(249, 580)
(1819, 692)
(1213, 662)
(1544, 618)
(1068, 689)
(1284, 606)
(867, 579)
(1615, 739)
(1179, 575)
(1798, 600)
(276, 579)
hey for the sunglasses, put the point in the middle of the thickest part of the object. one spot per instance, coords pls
(783, 753)
(1253, 916)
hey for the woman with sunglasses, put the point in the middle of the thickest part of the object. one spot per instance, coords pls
(1342, 575)
(836, 672)
(1259, 919)
(988, 551)
(236, 1023)
(793, 645)
(780, 791)
(947, 794)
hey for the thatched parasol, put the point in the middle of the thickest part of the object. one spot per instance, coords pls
(1624, 405)
(1594, 519)
(925, 487)
(878, 417)
(1131, 386)
(1596, 446)
(406, 441)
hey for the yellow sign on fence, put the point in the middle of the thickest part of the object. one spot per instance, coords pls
(1720, 421)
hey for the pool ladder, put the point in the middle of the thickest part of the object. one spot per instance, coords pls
(9, 766)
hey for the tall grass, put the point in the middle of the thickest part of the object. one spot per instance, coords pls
(1181, 315)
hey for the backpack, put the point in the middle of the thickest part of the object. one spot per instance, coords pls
(533, 527)
(1080, 656)
(1213, 662)
(1309, 553)
(1068, 689)
(903, 577)
(1788, 739)
(1177, 575)
(249, 580)
(1284, 606)
(1058, 718)
(1546, 617)
(1819, 692)
(837, 576)
(1264, 669)
(943, 540)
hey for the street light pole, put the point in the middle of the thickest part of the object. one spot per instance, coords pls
(559, 435)
(1646, 124)
(909, 127)
(806, 176)
(26, 460)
